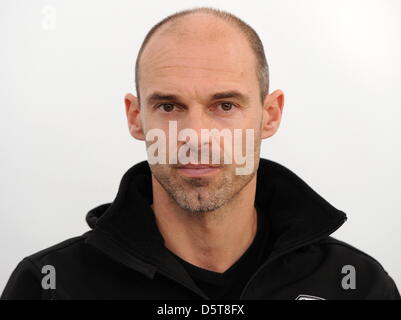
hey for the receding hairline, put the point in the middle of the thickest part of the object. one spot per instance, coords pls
(172, 24)
(177, 24)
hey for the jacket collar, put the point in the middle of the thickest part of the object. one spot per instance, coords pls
(126, 229)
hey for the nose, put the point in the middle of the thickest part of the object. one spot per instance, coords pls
(196, 119)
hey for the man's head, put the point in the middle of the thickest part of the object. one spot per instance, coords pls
(204, 69)
(173, 23)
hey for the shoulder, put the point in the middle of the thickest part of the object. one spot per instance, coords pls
(345, 251)
(66, 248)
(370, 276)
(25, 280)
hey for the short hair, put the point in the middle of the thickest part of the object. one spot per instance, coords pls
(262, 67)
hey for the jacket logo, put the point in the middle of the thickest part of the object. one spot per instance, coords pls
(308, 297)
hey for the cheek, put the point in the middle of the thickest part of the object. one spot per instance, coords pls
(150, 122)
(254, 126)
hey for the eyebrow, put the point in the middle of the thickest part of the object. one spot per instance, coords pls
(233, 94)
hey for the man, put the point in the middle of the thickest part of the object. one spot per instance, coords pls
(205, 230)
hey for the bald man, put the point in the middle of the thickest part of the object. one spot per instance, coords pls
(198, 219)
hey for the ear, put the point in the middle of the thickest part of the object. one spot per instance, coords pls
(272, 112)
(133, 116)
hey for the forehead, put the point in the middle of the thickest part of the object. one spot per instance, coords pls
(198, 58)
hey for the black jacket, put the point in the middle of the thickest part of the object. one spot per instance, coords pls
(123, 256)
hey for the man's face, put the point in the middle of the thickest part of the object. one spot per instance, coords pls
(194, 67)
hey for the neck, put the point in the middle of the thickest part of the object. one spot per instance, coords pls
(213, 240)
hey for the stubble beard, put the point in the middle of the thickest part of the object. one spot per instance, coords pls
(203, 194)
(206, 194)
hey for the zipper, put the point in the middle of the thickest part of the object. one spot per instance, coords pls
(305, 243)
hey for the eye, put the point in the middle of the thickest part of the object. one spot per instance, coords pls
(166, 107)
(226, 106)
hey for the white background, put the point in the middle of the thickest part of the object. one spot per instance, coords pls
(66, 65)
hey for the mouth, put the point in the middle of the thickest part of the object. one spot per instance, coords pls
(198, 170)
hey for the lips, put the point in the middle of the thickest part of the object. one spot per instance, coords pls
(197, 166)
(197, 170)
